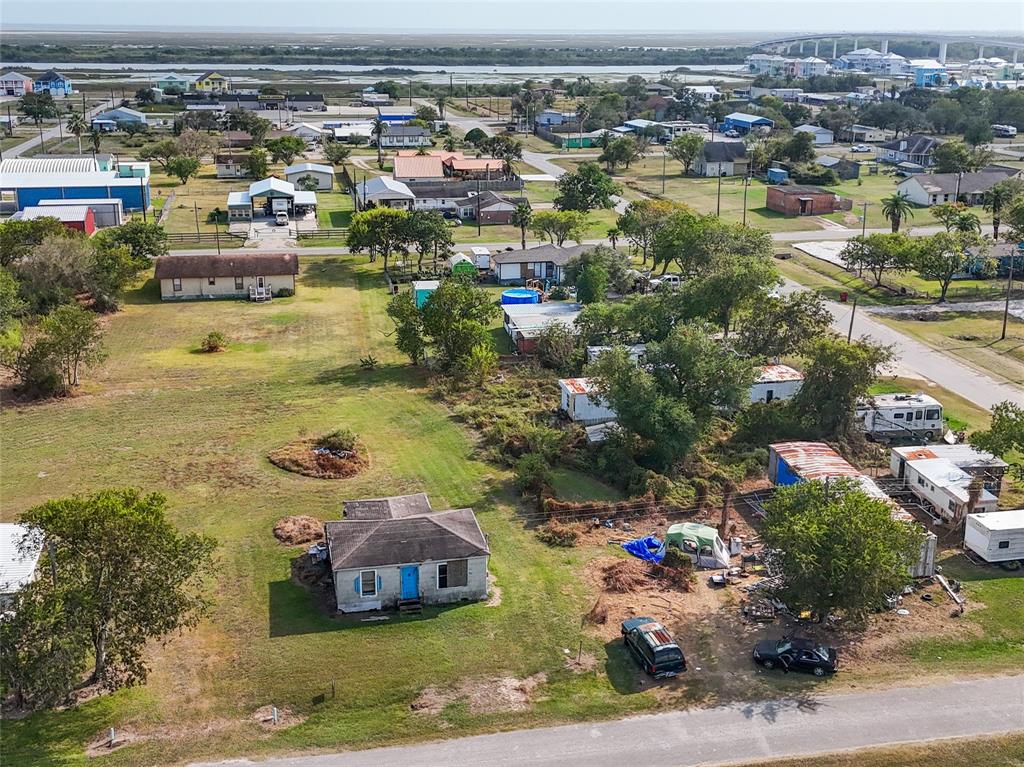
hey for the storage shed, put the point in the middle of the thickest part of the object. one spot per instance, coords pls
(582, 402)
(799, 200)
(322, 174)
(77, 217)
(996, 536)
(106, 212)
(461, 264)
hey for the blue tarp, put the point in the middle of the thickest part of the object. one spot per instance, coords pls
(649, 549)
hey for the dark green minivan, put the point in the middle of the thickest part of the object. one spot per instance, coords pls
(653, 647)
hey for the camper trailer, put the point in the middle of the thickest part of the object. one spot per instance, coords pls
(977, 463)
(996, 536)
(582, 402)
(889, 417)
(775, 382)
(481, 257)
(943, 488)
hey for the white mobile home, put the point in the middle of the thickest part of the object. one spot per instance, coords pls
(582, 402)
(776, 382)
(977, 463)
(900, 416)
(943, 487)
(996, 536)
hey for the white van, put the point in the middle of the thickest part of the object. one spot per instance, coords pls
(281, 218)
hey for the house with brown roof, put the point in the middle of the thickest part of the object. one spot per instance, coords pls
(256, 276)
(399, 552)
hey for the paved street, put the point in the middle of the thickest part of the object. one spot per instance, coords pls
(737, 733)
(50, 133)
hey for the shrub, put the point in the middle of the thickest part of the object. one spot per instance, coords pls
(284, 293)
(214, 342)
(763, 423)
(339, 441)
(533, 474)
(554, 533)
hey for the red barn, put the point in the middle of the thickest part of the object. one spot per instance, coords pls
(803, 200)
(78, 217)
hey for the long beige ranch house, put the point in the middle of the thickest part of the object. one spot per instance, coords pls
(255, 276)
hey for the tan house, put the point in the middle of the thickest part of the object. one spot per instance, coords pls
(256, 276)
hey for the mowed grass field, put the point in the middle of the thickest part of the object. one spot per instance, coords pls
(160, 416)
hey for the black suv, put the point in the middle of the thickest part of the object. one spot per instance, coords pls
(796, 655)
(653, 647)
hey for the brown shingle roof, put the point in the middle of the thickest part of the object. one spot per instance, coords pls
(423, 166)
(227, 265)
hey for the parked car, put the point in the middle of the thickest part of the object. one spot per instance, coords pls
(281, 218)
(796, 655)
(653, 647)
(672, 281)
(860, 148)
(731, 134)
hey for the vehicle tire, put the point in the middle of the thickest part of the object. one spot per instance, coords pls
(819, 671)
(768, 664)
(929, 435)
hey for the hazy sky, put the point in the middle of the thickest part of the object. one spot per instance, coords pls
(553, 16)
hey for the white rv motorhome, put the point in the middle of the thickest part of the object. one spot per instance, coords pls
(889, 417)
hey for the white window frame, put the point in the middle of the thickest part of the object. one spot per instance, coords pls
(438, 574)
(362, 592)
(176, 284)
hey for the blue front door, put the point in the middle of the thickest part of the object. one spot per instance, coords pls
(410, 582)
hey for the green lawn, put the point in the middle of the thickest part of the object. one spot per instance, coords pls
(996, 751)
(198, 427)
(972, 337)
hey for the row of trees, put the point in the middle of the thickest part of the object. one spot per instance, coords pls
(382, 232)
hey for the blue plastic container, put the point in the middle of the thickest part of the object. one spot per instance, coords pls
(520, 296)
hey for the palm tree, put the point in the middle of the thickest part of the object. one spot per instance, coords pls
(582, 113)
(77, 125)
(378, 128)
(450, 144)
(613, 235)
(896, 208)
(521, 217)
(94, 136)
(999, 198)
(441, 102)
(526, 97)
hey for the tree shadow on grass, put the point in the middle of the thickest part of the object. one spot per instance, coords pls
(355, 375)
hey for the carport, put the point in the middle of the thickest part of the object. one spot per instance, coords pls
(270, 196)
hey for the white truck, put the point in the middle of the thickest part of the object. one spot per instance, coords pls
(892, 417)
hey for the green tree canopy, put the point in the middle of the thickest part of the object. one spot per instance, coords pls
(777, 326)
(585, 189)
(878, 254)
(557, 226)
(838, 549)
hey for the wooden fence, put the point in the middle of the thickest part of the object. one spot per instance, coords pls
(323, 234)
(203, 238)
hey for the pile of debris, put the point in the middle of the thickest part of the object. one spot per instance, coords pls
(299, 530)
(630, 508)
(623, 576)
(308, 458)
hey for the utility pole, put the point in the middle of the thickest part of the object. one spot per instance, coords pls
(478, 207)
(864, 221)
(195, 209)
(42, 142)
(746, 185)
(451, 86)
(718, 205)
(664, 155)
(410, 91)
(142, 199)
(849, 334)
(1009, 288)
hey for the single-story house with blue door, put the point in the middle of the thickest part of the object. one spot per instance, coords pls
(743, 123)
(399, 552)
(27, 182)
(121, 116)
(54, 83)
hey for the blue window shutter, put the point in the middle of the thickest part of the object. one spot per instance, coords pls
(355, 585)
(380, 584)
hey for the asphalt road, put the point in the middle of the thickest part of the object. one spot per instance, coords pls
(51, 133)
(742, 732)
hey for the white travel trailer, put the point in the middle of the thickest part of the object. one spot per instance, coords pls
(888, 417)
(481, 257)
(582, 403)
(944, 488)
(776, 382)
(996, 536)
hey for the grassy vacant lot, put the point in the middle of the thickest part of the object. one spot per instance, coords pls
(1000, 751)
(161, 416)
(972, 337)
